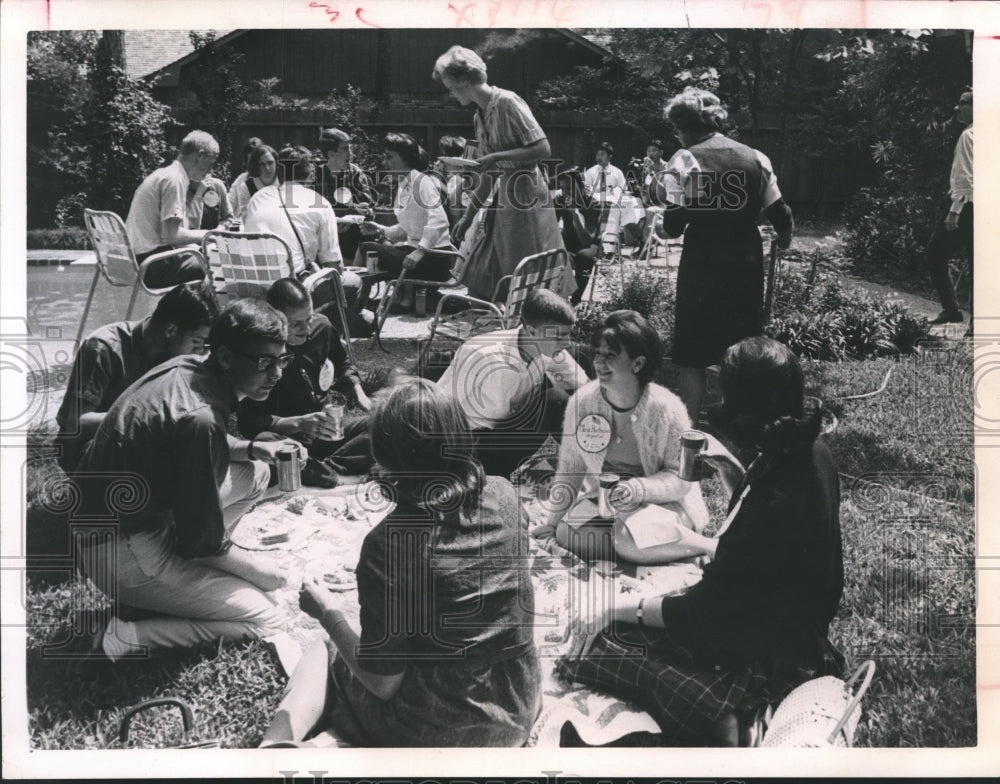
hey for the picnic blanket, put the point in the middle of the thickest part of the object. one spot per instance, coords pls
(319, 532)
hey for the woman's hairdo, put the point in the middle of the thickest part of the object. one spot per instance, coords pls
(696, 110)
(258, 152)
(407, 148)
(763, 396)
(628, 331)
(452, 145)
(460, 64)
(421, 442)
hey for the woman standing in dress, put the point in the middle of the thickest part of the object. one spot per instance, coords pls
(521, 220)
(714, 190)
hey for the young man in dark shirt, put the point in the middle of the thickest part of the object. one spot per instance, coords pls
(116, 355)
(167, 438)
(346, 187)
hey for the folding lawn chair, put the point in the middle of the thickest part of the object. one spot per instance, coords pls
(544, 270)
(250, 263)
(116, 260)
(394, 286)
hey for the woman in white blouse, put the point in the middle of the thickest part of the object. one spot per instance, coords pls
(420, 240)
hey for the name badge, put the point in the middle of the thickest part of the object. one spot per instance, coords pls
(343, 195)
(593, 434)
(211, 198)
(326, 376)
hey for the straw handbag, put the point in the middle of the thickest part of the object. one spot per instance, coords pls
(820, 713)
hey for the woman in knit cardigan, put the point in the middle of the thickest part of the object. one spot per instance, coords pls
(624, 424)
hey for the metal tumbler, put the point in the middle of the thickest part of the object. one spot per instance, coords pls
(371, 261)
(289, 476)
(692, 442)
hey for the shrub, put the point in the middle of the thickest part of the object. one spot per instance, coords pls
(58, 239)
(888, 230)
(820, 317)
(652, 297)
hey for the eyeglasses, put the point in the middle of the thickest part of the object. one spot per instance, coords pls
(267, 362)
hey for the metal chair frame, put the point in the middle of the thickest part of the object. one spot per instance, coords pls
(116, 260)
(247, 272)
(393, 289)
(543, 269)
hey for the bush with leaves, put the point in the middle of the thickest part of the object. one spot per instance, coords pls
(650, 296)
(824, 318)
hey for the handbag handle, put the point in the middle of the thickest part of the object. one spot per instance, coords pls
(868, 669)
(187, 716)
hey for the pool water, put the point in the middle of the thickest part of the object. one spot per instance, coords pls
(55, 299)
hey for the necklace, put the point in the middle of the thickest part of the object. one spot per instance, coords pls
(625, 410)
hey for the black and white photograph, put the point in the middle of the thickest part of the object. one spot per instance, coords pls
(436, 376)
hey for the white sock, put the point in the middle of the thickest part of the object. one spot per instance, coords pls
(120, 638)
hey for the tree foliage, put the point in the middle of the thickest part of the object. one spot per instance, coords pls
(93, 133)
(125, 134)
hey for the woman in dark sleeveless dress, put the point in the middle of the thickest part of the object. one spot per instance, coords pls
(714, 190)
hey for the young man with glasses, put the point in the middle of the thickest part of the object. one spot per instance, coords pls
(171, 554)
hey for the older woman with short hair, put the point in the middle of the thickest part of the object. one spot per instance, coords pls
(625, 424)
(462, 669)
(521, 221)
(714, 190)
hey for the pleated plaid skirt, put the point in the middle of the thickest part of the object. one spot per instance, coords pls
(683, 693)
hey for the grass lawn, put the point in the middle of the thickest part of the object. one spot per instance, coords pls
(907, 516)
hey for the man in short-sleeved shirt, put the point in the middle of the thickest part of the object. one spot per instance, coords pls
(159, 220)
(116, 355)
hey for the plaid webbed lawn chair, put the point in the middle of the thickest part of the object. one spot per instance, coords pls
(251, 262)
(116, 260)
(545, 270)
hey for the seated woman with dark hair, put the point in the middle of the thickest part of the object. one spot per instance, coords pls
(420, 241)
(446, 559)
(626, 425)
(262, 170)
(756, 625)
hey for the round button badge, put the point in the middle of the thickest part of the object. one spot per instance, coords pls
(326, 376)
(211, 198)
(593, 434)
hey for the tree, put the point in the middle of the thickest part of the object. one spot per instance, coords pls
(896, 93)
(58, 90)
(125, 131)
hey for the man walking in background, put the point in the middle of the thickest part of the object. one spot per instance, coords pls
(954, 233)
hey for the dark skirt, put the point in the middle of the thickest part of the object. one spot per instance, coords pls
(720, 293)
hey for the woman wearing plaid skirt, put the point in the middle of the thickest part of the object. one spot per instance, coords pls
(756, 625)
